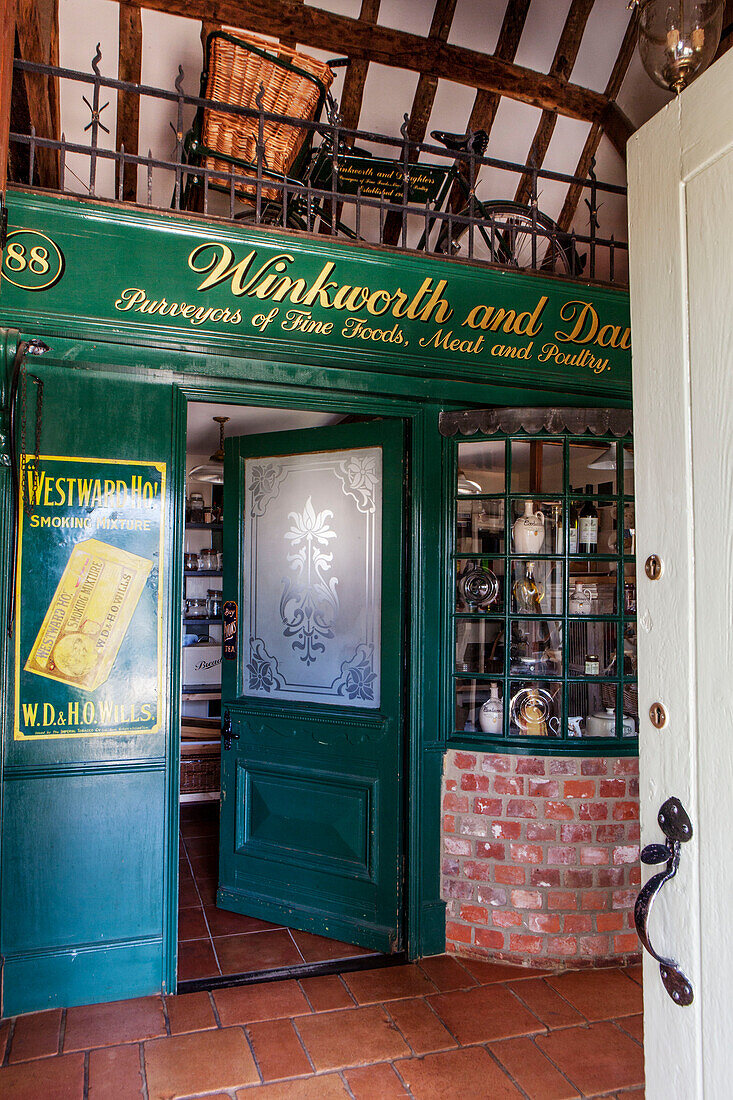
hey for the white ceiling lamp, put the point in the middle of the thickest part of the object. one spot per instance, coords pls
(678, 38)
(466, 487)
(607, 460)
(213, 470)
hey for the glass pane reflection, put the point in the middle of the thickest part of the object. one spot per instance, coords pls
(480, 467)
(479, 585)
(535, 708)
(479, 646)
(480, 526)
(536, 647)
(479, 706)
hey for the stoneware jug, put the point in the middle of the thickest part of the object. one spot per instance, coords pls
(490, 715)
(580, 600)
(529, 530)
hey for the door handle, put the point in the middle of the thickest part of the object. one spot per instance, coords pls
(677, 829)
(226, 731)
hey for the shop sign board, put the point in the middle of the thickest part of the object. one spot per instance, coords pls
(89, 589)
(140, 276)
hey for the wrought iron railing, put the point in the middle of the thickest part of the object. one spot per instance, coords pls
(479, 232)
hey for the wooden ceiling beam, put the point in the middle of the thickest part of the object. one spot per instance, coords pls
(356, 73)
(129, 68)
(7, 50)
(340, 34)
(616, 79)
(37, 40)
(562, 67)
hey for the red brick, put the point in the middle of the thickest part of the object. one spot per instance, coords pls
(456, 847)
(451, 866)
(579, 788)
(526, 945)
(596, 766)
(489, 849)
(593, 811)
(506, 830)
(487, 806)
(474, 914)
(526, 899)
(577, 922)
(575, 833)
(457, 889)
(559, 811)
(506, 785)
(473, 826)
(633, 831)
(562, 945)
(471, 782)
(610, 876)
(593, 945)
(544, 922)
(537, 831)
(460, 932)
(627, 854)
(489, 895)
(510, 876)
(610, 922)
(635, 875)
(450, 784)
(612, 788)
(633, 788)
(594, 857)
(561, 899)
(519, 807)
(626, 765)
(544, 876)
(563, 767)
(623, 899)
(489, 937)
(626, 943)
(608, 834)
(526, 853)
(464, 760)
(479, 872)
(593, 899)
(578, 879)
(497, 763)
(563, 855)
(626, 811)
(543, 788)
(449, 823)
(506, 918)
(456, 802)
(530, 765)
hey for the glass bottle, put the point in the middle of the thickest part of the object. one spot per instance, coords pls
(588, 526)
(572, 530)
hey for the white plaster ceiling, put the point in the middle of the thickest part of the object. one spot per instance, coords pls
(203, 431)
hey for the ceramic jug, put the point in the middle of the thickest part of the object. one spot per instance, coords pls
(580, 600)
(490, 715)
(529, 530)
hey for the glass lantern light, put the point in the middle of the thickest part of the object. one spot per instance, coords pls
(678, 38)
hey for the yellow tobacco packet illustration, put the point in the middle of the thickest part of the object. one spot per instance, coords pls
(89, 615)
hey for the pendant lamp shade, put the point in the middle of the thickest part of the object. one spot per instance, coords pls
(213, 470)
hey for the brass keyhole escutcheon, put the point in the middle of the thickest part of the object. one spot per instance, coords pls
(653, 567)
(657, 715)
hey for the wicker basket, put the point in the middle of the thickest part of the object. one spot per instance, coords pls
(235, 75)
(199, 774)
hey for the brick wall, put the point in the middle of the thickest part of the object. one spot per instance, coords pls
(541, 857)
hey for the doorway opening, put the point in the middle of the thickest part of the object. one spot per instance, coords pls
(338, 793)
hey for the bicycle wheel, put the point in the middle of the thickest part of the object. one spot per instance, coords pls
(503, 233)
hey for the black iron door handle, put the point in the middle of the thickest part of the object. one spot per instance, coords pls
(677, 829)
(226, 731)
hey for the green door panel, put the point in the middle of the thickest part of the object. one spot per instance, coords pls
(311, 816)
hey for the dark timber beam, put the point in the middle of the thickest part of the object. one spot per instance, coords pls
(339, 34)
(562, 66)
(128, 105)
(7, 47)
(356, 73)
(593, 140)
(37, 40)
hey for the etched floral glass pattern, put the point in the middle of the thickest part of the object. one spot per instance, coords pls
(312, 583)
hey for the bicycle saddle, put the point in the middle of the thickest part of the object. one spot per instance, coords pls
(463, 143)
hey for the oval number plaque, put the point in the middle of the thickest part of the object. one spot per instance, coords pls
(31, 260)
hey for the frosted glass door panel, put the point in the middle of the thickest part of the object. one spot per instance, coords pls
(312, 583)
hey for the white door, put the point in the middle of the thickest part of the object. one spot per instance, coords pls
(681, 261)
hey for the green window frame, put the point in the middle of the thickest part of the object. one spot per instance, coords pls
(529, 638)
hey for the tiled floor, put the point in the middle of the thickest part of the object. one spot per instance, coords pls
(212, 941)
(439, 1030)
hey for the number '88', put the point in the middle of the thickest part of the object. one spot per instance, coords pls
(31, 260)
(16, 258)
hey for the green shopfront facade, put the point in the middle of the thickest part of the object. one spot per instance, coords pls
(141, 314)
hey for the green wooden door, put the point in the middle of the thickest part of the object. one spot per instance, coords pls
(311, 818)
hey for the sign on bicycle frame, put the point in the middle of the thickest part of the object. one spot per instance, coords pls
(375, 177)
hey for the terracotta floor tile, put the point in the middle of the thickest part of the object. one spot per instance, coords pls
(327, 1087)
(246, 1004)
(352, 1037)
(116, 1022)
(188, 895)
(487, 972)
(321, 948)
(532, 1071)
(224, 923)
(446, 973)
(36, 1035)
(372, 1082)
(260, 951)
(204, 847)
(114, 1073)
(277, 1050)
(202, 827)
(633, 1026)
(635, 973)
(597, 1059)
(61, 1078)
(4, 1033)
(191, 924)
(599, 994)
(196, 959)
(203, 1062)
(326, 993)
(190, 1012)
(541, 999)
(372, 986)
(469, 1074)
(484, 1014)
(207, 890)
(420, 1026)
